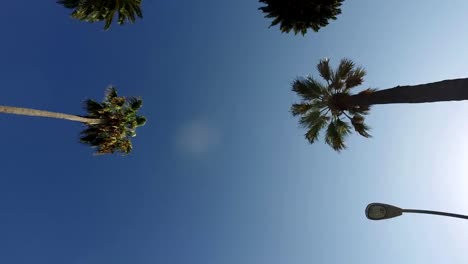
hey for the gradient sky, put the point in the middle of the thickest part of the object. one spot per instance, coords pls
(221, 173)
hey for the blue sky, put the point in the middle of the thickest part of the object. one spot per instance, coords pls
(221, 173)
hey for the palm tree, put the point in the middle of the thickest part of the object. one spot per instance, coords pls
(110, 124)
(325, 105)
(301, 15)
(104, 10)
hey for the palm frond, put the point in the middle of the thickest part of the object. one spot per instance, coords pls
(325, 70)
(357, 119)
(309, 119)
(140, 121)
(342, 127)
(135, 103)
(93, 108)
(336, 83)
(336, 132)
(314, 130)
(109, 17)
(308, 88)
(361, 110)
(301, 109)
(345, 67)
(355, 77)
(359, 126)
(111, 92)
(339, 78)
(333, 139)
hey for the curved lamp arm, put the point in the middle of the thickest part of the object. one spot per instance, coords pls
(381, 211)
(434, 213)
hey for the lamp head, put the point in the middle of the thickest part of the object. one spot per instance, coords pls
(380, 211)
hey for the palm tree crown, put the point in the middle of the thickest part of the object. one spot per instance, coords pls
(301, 15)
(322, 106)
(104, 10)
(119, 122)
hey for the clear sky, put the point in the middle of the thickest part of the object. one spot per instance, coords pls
(221, 173)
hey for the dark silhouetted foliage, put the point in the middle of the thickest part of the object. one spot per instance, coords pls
(104, 10)
(301, 15)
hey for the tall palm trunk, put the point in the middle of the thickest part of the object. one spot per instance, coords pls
(448, 90)
(41, 113)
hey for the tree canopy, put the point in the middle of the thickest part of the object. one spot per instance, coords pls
(321, 105)
(301, 15)
(119, 122)
(104, 10)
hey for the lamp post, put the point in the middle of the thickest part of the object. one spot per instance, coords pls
(380, 211)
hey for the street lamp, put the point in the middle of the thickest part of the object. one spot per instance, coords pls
(380, 211)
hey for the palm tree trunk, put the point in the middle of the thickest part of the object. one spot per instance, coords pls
(41, 113)
(448, 90)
